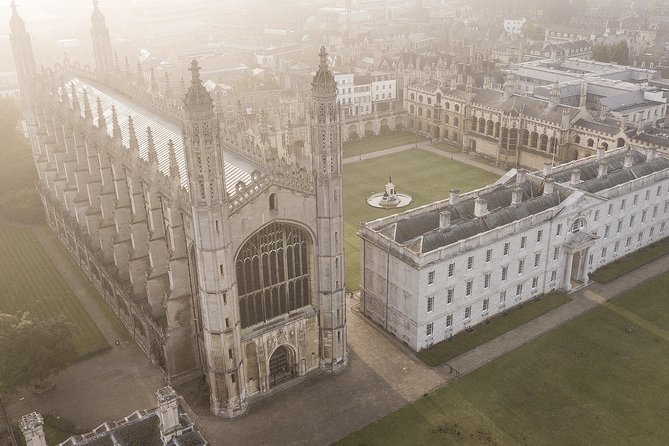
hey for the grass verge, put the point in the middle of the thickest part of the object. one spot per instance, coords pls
(31, 283)
(631, 261)
(497, 325)
(599, 379)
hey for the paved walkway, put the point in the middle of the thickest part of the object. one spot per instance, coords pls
(466, 159)
(383, 152)
(458, 156)
(103, 388)
(582, 301)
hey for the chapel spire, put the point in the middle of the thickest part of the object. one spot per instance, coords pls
(102, 49)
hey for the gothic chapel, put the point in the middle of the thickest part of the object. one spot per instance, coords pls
(221, 266)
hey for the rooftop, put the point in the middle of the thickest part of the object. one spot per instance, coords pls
(163, 130)
(419, 230)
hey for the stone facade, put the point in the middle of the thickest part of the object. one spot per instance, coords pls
(434, 271)
(223, 265)
(520, 131)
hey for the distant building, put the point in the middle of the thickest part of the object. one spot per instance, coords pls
(513, 26)
(588, 105)
(364, 94)
(168, 424)
(434, 271)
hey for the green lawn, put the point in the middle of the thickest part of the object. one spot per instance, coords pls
(31, 283)
(425, 176)
(446, 350)
(632, 261)
(380, 142)
(600, 379)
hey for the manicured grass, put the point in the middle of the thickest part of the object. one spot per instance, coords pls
(54, 435)
(380, 142)
(118, 326)
(444, 351)
(631, 262)
(31, 283)
(600, 379)
(423, 175)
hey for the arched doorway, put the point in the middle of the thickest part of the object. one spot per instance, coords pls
(281, 366)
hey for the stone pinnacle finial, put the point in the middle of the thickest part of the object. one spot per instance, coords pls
(195, 73)
(75, 100)
(88, 113)
(323, 55)
(133, 144)
(102, 123)
(116, 129)
(140, 74)
(95, 5)
(153, 155)
(153, 81)
(174, 166)
(13, 6)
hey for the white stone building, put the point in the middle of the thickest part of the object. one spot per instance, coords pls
(513, 26)
(364, 94)
(431, 272)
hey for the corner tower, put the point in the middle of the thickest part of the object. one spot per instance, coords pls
(102, 49)
(22, 49)
(325, 128)
(210, 252)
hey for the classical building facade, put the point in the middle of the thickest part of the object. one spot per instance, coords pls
(222, 262)
(559, 123)
(431, 272)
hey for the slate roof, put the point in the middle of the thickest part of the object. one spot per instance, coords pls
(609, 127)
(621, 176)
(422, 233)
(163, 130)
(660, 140)
(524, 105)
(142, 428)
(590, 169)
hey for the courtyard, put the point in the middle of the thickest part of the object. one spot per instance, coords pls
(422, 174)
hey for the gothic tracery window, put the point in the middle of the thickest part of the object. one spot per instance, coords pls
(273, 273)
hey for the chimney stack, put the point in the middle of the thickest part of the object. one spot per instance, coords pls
(629, 159)
(32, 427)
(548, 168)
(444, 219)
(480, 207)
(651, 154)
(168, 412)
(453, 196)
(516, 196)
(521, 176)
(600, 153)
(575, 177)
(549, 185)
(603, 169)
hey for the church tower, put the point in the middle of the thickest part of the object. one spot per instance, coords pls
(102, 49)
(22, 48)
(326, 145)
(221, 334)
